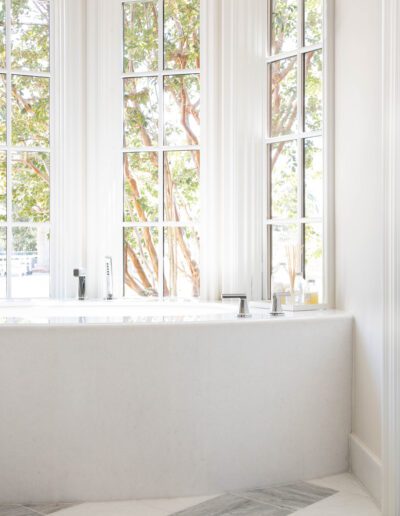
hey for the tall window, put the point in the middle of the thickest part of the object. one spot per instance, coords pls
(24, 148)
(295, 135)
(161, 159)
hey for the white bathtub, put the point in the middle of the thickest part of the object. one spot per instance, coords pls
(110, 405)
(115, 312)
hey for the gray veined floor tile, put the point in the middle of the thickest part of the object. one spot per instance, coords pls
(291, 496)
(49, 508)
(16, 510)
(252, 508)
(232, 505)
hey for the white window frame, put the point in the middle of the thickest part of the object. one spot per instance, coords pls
(9, 148)
(88, 147)
(161, 148)
(327, 134)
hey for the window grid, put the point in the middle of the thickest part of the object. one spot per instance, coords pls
(161, 148)
(300, 136)
(9, 149)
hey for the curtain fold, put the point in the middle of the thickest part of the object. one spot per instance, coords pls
(233, 109)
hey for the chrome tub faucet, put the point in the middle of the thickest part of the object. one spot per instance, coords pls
(243, 305)
(81, 275)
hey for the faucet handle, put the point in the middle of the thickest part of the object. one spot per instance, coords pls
(243, 306)
(276, 307)
(79, 273)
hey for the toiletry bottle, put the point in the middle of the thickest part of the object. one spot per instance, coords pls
(280, 280)
(299, 288)
(311, 293)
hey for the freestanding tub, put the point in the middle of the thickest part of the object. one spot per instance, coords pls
(121, 406)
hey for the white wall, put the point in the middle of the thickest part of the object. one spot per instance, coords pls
(359, 217)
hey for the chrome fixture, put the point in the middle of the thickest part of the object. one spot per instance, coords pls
(276, 307)
(81, 275)
(243, 306)
(109, 277)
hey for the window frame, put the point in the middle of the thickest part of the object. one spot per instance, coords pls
(10, 149)
(82, 233)
(300, 136)
(161, 148)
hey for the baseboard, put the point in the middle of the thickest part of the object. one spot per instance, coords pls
(367, 467)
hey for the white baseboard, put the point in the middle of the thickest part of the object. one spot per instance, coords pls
(367, 467)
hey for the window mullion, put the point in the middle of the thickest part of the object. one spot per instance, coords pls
(9, 243)
(160, 150)
(301, 126)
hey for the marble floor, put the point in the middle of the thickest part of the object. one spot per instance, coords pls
(340, 495)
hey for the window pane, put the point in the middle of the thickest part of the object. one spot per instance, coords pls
(284, 96)
(181, 34)
(284, 180)
(2, 34)
(30, 262)
(3, 110)
(181, 186)
(30, 41)
(181, 259)
(3, 262)
(31, 187)
(140, 261)
(313, 255)
(141, 187)
(284, 26)
(140, 37)
(3, 186)
(313, 91)
(282, 236)
(313, 177)
(312, 22)
(182, 109)
(30, 111)
(141, 112)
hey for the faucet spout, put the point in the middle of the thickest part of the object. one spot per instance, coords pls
(243, 306)
(81, 275)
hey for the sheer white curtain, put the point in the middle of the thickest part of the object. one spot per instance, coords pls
(233, 116)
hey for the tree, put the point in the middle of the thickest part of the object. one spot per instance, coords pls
(181, 168)
(30, 119)
(284, 119)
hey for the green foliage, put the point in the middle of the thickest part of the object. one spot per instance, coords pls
(284, 174)
(31, 111)
(183, 170)
(284, 97)
(181, 34)
(31, 204)
(181, 31)
(284, 26)
(182, 106)
(141, 112)
(30, 42)
(141, 187)
(313, 21)
(24, 240)
(313, 91)
(140, 37)
(3, 187)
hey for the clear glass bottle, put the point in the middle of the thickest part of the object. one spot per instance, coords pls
(311, 293)
(280, 278)
(299, 289)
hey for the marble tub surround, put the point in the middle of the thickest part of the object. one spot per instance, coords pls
(133, 412)
(340, 495)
